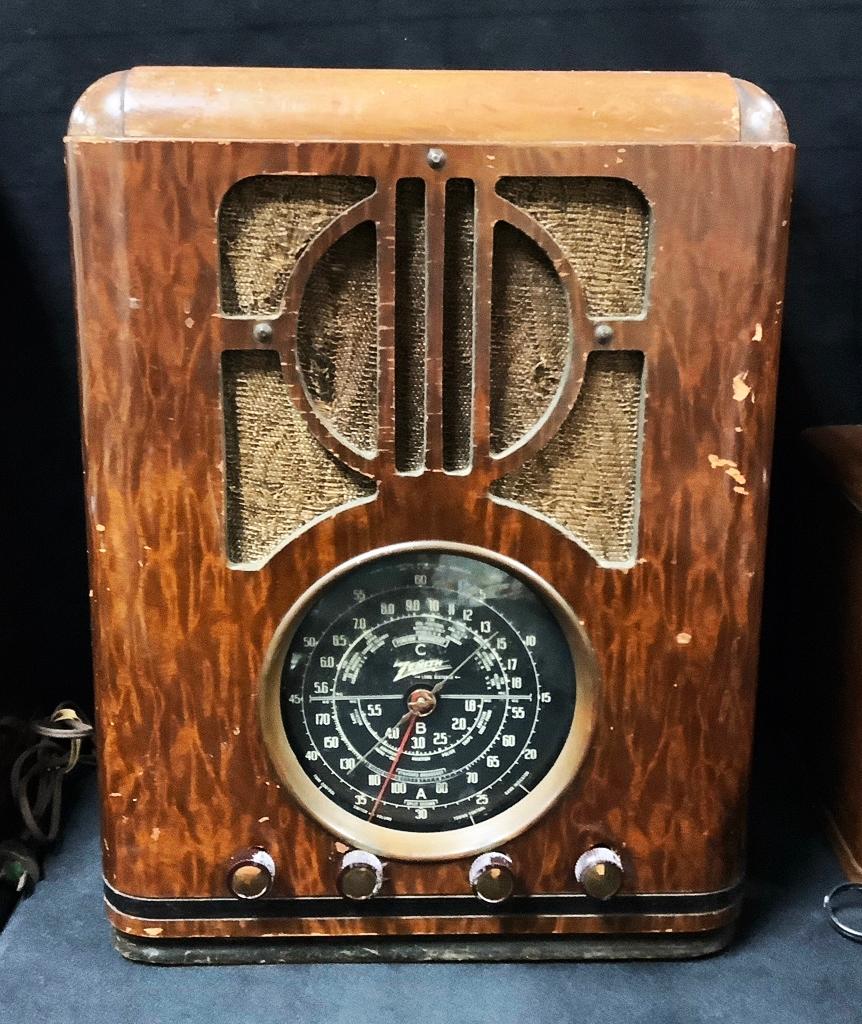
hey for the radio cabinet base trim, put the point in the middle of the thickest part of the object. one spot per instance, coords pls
(445, 949)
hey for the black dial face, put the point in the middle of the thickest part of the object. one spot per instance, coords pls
(427, 691)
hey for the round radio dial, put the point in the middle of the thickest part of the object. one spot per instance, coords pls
(425, 693)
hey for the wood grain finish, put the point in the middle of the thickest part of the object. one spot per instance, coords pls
(179, 637)
(362, 105)
(367, 924)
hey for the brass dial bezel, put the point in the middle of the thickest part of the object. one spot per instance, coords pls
(455, 843)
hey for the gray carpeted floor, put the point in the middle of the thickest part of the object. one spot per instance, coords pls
(787, 965)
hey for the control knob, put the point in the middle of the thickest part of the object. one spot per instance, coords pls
(492, 877)
(360, 875)
(600, 872)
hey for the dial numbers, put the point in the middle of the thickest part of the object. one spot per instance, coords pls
(427, 691)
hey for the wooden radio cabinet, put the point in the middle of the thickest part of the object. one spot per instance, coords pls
(427, 424)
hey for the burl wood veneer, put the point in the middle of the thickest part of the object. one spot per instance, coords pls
(180, 633)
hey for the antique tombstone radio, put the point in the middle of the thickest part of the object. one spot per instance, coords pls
(427, 428)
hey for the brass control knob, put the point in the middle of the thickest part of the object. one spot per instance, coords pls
(600, 872)
(251, 874)
(360, 876)
(492, 877)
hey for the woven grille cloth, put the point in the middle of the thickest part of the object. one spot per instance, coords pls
(265, 223)
(336, 339)
(279, 477)
(602, 226)
(458, 325)
(586, 477)
(530, 335)
(410, 256)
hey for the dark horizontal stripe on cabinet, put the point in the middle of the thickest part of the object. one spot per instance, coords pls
(334, 907)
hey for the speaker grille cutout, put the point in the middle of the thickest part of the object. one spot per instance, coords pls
(458, 262)
(410, 339)
(586, 479)
(530, 335)
(602, 226)
(279, 478)
(336, 339)
(265, 223)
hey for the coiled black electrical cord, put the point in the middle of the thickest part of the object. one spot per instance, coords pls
(37, 786)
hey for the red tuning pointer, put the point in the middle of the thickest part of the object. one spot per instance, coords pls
(392, 768)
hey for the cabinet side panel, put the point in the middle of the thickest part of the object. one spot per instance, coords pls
(103, 302)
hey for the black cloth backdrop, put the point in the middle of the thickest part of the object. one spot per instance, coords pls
(805, 54)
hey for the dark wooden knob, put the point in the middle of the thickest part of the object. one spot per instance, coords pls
(600, 872)
(492, 877)
(360, 876)
(251, 874)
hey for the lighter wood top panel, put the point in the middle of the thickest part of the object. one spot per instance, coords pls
(301, 105)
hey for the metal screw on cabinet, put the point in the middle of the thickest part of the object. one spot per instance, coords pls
(436, 157)
(604, 333)
(262, 333)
